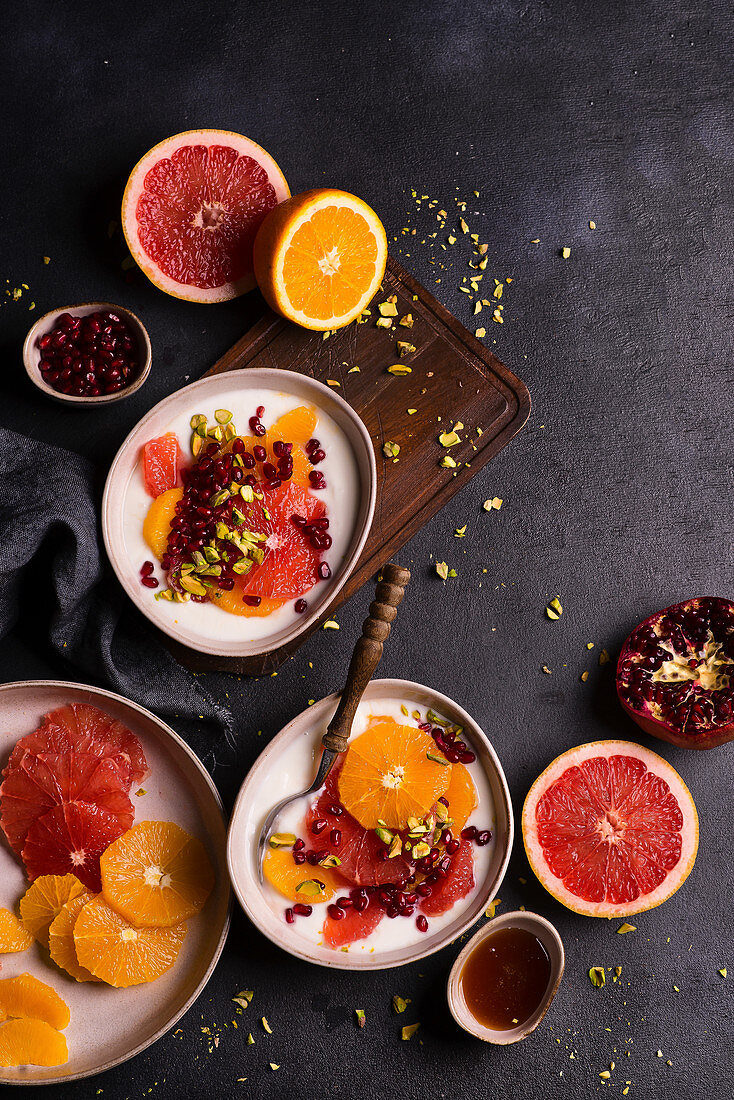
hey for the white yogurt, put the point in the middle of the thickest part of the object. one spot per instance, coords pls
(296, 767)
(341, 498)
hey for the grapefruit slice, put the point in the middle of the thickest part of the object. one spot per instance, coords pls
(81, 728)
(69, 839)
(360, 848)
(610, 829)
(456, 885)
(354, 926)
(192, 207)
(161, 464)
(289, 566)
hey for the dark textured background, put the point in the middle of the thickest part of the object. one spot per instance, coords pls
(617, 494)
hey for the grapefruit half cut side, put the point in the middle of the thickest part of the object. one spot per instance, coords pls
(610, 829)
(192, 207)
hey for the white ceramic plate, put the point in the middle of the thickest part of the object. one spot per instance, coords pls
(192, 398)
(108, 1025)
(247, 820)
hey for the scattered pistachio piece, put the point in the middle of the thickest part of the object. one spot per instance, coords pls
(460, 532)
(354, 370)
(449, 439)
(250, 1040)
(480, 332)
(584, 676)
(412, 412)
(592, 225)
(442, 569)
(390, 449)
(274, 1065)
(332, 382)
(597, 976)
(603, 657)
(409, 1031)
(406, 321)
(384, 834)
(282, 840)
(330, 861)
(723, 972)
(448, 462)
(222, 416)
(243, 998)
(399, 369)
(565, 252)
(400, 1003)
(554, 610)
(310, 888)
(437, 759)
(404, 348)
(626, 928)
(383, 322)
(388, 309)
(361, 1017)
(330, 624)
(492, 907)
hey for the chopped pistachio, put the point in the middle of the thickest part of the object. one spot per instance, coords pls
(330, 861)
(480, 332)
(492, 907)
(384, 834)
(388, 309)
(554, 610)
(383, 322)
(460, 532)
(603, 657)
(361, 1017)
(333, 383)
(222, 416)
(274, 1065)
(190, 584)
(449, 439)
(405, 348)
(282, 840)
(597, 976)
(399, 369)
(390, 449)
(592, 225)
(406, 321)
(250, 1040)
(723, 972)
(442, 569)
(196, 420)
(565, 252)
(448, 462)
(626, 928)
(411, 412)
(220, 498)
(354, 370)
(584, 676)
(330, 624)
(196, 444)
(310, 888)
(396, 847)
(409, 1031)
(437, 759)
(243, 998)
(216, 433)
(400, 1003)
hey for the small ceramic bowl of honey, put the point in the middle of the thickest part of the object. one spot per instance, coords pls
(503, 982)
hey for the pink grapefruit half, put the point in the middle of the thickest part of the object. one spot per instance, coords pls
(192, 207)
(610, 829)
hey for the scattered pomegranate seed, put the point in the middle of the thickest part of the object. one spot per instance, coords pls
(298, 845)
(300, 606)
(302, 910)
(323, 571)
(483, 838)
(317, 456)
(335, 810)
(335, 837)
(252, 601)
(299, 858)
(260, 411)
(335, 912)
(469, 833)
(318, 826)
(421, 923)
(289, 916)
(149, 582)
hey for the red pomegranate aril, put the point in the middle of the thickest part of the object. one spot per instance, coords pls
(335, 810)
(453, 846)
(446, 836)
(335, 912)
(260, 453)
(312, 445)
(360, 904)
(149, 582)
(423, 889)
(312, 858)
(300, 606)
(317, 456)
(335, 837)
(260, 412)
(269, 471)
(252, 601)
(298, 844)
(344, 903)
(392, 911)
(238, 446)
(302, 910)
(316, 479)
(274, 483)
(484, 837)
(251, 480)
(299, 858)
(289, 916)
(147, 568)
(318, 826)
(323, 571)
(421, 923)
(467, 757)
(254, 422)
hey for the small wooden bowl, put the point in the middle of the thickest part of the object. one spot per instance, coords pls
(267, 775)
(44, 324)
(553, 944)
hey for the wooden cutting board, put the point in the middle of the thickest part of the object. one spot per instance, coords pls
(453, 377)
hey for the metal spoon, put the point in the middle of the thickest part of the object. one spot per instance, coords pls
(365, 659)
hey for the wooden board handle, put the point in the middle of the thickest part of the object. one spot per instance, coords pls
(367, 653)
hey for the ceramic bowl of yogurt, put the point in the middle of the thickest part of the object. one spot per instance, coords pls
(340, 498)
(288, 765)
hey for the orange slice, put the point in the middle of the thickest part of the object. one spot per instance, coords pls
(31, 1043)
(320, 257)
(26, 996)
(462, 797)
(120, 954)
(44, 900)
(157, 523)
(61, 938)
(13, 936)
(156, 875)
(390, 773)
(285, 875)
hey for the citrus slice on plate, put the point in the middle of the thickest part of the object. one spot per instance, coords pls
(26, 996)
(289, 566)
(320, 258)
(156, 875)
(286, 876)
(462, 797)
(69, 839)
(355, 925)
(161, 464)
(119, 953)
(31, 1043)
(456, 885)
(43, 901)
(192, 207)
(13, 936)
(610, 829)
(392, 772)
(61, 938)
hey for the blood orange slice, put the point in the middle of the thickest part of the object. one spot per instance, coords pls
(289, 566)
(69, 839)
(610, 829)
(161, 464)
(456, 885)
(192, 207)
(81, 728)
(360, 848)
(354, 925)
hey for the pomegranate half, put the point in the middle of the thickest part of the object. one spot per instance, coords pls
(675, 674)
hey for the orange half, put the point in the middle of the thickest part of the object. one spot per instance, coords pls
(320, 257)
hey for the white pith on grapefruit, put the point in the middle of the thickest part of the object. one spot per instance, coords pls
(192, 207)
(610, 829)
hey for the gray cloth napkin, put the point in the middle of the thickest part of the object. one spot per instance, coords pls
(52, 561)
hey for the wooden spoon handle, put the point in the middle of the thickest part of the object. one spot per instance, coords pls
(367, 653)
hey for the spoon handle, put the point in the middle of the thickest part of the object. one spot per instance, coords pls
(367, 653)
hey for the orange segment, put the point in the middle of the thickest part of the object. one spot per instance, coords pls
(26, 996)
(157, 523)
(285, 875)
(156, 875)
(296, 426)
(61, 938)
(44, 900)
(13, 936)
(320, 257)
(31, 1043)
(115, 951)
(232, 602)
(462, 797)
(388, 775)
